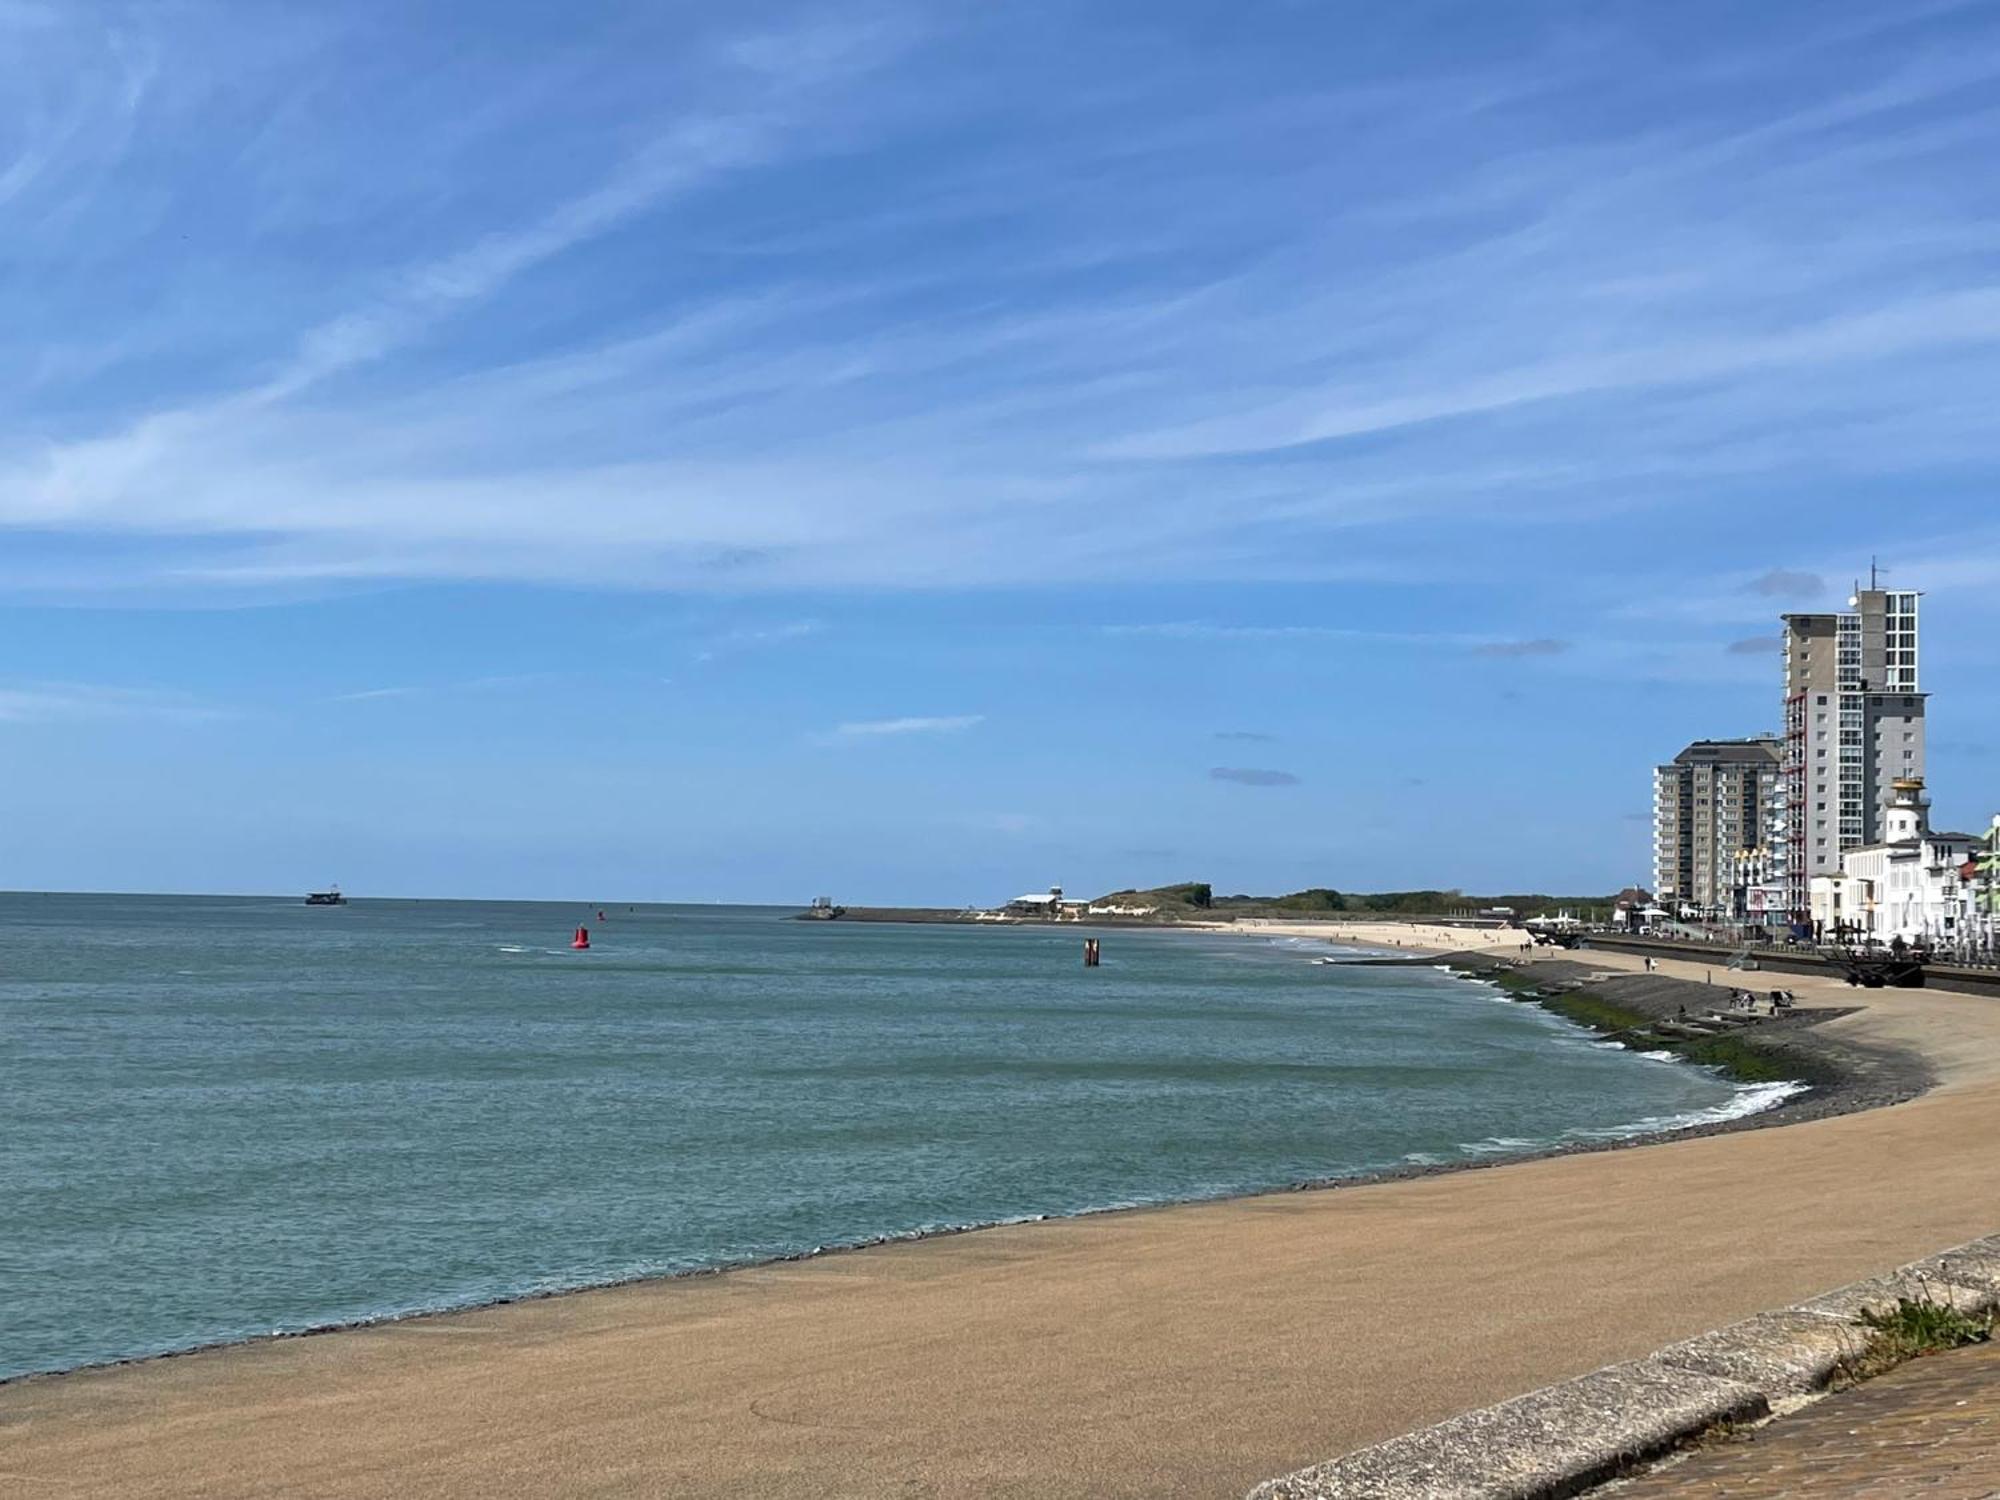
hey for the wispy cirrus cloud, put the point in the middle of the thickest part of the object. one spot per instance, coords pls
(1464, 642)
(1204, 630)
(69, 702)
(1925, 323)
(770, 635)
(487, 683)
(752, 637)
(876, 729)
(1504, 305)
(1540, 646)
(1253, 776)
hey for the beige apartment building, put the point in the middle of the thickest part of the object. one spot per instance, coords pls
(1714, 826)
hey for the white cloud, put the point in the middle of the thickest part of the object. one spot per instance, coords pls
(1137, 361)
(751, 637)
(879, 728)
(65, 702)
(1914, 325)
(1200, 630)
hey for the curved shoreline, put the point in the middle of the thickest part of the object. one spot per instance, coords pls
(1199, 1348)
(1838, 1087)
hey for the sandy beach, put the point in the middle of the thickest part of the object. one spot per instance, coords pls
(1192, 1350)
(1410, 937)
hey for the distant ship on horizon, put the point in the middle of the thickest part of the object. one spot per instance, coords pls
(330, 897)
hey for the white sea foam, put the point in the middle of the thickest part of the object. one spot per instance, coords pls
(1749, 1099)
(1496, 1145)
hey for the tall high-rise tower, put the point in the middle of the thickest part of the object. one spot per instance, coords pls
(1854, 725)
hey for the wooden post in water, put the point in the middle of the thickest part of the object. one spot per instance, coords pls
(1090, 953)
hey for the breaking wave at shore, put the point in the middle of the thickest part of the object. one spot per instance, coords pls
(1750, 1099)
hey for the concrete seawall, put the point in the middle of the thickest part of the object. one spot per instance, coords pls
(1564, 1439)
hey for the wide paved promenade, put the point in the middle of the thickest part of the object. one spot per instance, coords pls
(1929, 1429)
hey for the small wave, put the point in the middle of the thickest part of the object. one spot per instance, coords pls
(1749, 1099)
(1473, 979)
(1497, 1144)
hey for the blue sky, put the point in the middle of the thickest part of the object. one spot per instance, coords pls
(921, 452)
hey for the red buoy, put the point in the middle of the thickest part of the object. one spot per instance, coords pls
(582, 938)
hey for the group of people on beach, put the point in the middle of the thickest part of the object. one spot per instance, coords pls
(1745, 1000)
(1781, 1000)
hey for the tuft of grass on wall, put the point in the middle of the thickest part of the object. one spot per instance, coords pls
(1912, 1329)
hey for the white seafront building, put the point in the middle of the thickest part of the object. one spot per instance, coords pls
(1837, 846)
(1917, 885)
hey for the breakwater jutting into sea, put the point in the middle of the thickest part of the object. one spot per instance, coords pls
(228, 1117)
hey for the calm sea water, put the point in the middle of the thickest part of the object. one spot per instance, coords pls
(223, 1117)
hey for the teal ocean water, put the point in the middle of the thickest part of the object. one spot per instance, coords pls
(223, 1117)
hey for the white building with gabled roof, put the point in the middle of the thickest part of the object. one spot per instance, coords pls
(1916, 884)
